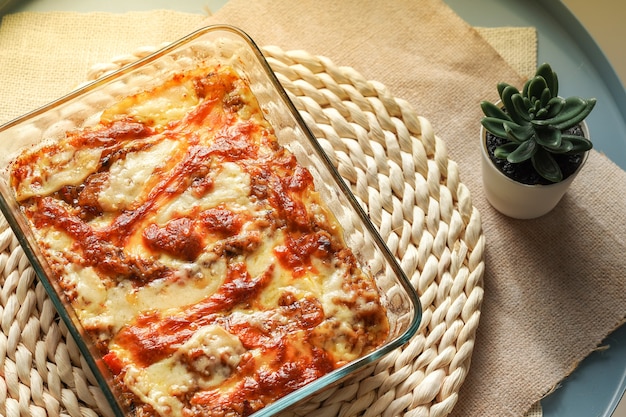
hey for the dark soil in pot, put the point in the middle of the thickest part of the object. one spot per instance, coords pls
(524, 172)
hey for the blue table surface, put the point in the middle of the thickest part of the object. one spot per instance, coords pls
(598, 383)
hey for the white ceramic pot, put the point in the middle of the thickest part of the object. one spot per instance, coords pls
(517, 200)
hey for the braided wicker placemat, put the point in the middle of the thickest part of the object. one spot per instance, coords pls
(399, 170)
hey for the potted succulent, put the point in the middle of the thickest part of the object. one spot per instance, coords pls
(534, 143)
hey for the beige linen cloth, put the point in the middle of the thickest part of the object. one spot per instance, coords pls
(554, 286)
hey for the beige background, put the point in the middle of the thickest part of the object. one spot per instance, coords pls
(604, 19)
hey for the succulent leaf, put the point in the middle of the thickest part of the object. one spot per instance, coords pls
(503, 151)
(527, 102)
(552, 81)
(566, 147)
(505, 91)
(501, 87)
(491, 110)
(589, 105)
(523, 152)
(546, 96)
(555, 106)
(546, 166)
(579, 143)
(508, 95)
(517, 133)
(548, 138)
(536, 87)
(518, 110)
(525, 88)
(571, 109)
(494, 125)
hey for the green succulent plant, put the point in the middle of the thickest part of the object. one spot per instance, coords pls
(535, 122)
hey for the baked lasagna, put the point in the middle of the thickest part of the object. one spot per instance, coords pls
(195, 250)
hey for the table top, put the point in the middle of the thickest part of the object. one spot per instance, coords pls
(569, 48)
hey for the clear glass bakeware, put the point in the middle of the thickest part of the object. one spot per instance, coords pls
(227, 45)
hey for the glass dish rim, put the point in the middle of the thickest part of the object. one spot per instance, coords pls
(309, 389)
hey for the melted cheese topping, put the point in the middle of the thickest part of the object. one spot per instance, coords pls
(196, 252)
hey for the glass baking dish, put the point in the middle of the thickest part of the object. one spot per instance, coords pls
(216, 44)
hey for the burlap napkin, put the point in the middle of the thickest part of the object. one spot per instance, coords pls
(46, 55)
(554, 286)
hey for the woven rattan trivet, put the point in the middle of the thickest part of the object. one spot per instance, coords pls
(399, 170)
